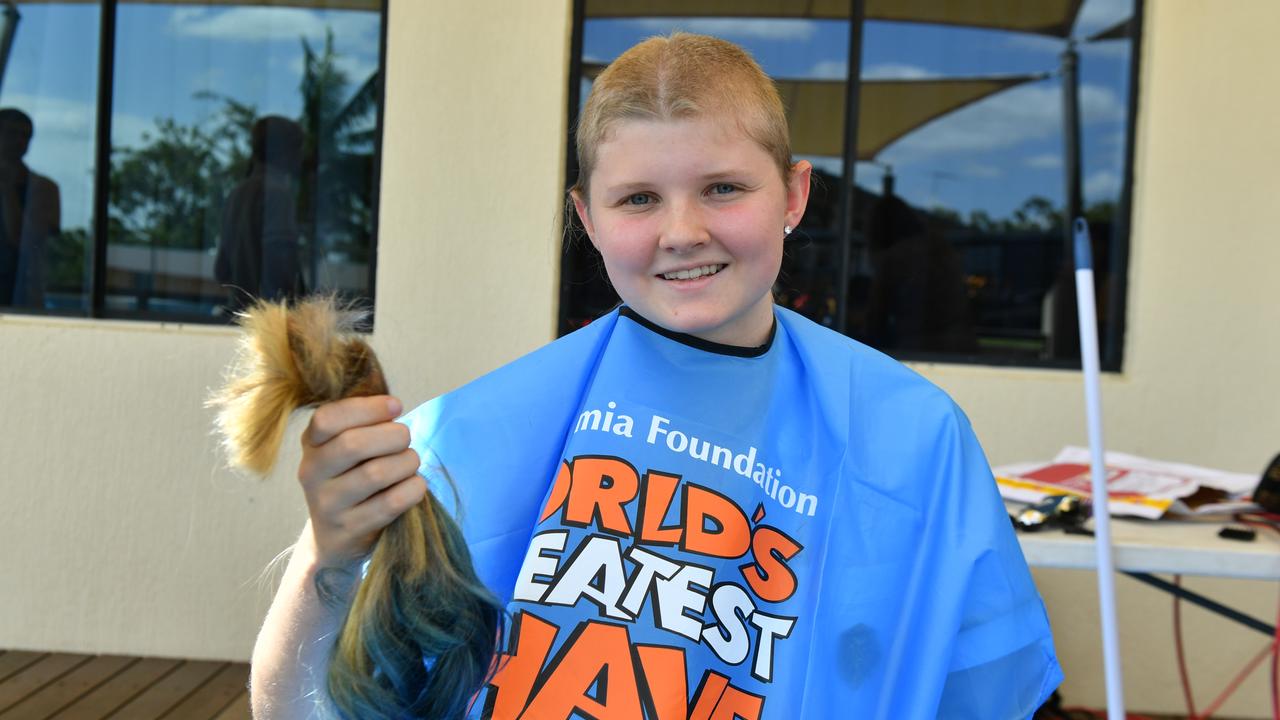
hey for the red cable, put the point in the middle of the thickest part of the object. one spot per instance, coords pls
(1235, 683)
(1275, 655)
(1177, 644)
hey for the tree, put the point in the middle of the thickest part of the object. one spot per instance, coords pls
(337, 195)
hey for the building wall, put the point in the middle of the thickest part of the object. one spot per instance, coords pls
(122, 534)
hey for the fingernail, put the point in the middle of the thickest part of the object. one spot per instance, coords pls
(394, 407)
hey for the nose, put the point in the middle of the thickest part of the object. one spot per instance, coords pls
(685, 228)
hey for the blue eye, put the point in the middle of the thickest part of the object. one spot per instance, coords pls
(723, 188)
(638, 199)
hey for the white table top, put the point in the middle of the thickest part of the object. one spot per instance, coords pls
(1190, 547)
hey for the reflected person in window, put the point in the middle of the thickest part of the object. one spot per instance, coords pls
(30, 215)
(917, 297)
(259, 250)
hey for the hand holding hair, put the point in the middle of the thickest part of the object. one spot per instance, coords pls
(420, 637)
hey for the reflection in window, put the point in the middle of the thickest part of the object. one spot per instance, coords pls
(243, 155)
(961, 240)
(978, 136)
(48, 100)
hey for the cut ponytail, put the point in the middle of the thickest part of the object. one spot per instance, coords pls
(420, 638)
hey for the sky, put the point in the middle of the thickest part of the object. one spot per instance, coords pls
(165, 56)
(989, 156)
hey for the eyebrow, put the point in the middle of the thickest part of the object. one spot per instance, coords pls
(733, 173)
(627, 188)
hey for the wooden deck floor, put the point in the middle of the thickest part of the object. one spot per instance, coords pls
(38, 686)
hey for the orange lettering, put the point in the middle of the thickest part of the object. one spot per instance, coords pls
(599, 489)
(731, 537)
(769, 576)
(736, 704)
(709, 692)
(597, 654)
(659, 489)
(531, 639)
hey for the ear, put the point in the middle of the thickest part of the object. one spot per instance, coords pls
(584, 214)
(798, 192)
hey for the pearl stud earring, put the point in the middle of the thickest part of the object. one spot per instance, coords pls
(786, 229)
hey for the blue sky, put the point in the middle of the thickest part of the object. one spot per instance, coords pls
(165, 55)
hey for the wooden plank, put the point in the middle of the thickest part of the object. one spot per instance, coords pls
(14, 660)
(106, 698)
(168, 691)
(47, 701)
(237, 709)
(213, 695)
(37, 675)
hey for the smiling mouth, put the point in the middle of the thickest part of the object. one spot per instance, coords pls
(693, 273)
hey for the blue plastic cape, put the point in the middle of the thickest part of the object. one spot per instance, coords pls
(682, 532)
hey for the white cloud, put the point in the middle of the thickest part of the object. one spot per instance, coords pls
(761, 28)
(839, 70)
(270, 23)
(1004, 120)
(1102, 185)
(1099, 104)
(895, 71)
(1044, 161)
(828, 70)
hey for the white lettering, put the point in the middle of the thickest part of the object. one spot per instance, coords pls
(536, 563)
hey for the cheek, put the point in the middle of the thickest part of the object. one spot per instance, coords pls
(749, 234)
(621, 244)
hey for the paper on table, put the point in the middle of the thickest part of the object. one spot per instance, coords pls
(1137, 486)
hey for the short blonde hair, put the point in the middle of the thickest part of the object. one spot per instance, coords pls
(683, 76)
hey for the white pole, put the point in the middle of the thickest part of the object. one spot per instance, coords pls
(1101, 512)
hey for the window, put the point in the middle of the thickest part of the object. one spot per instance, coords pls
(938, 224)
(187, 157)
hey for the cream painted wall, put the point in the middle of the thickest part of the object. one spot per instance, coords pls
(120, 532)
(122, 535)
(1201, 373)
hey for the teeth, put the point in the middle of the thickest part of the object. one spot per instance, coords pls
(693, 272)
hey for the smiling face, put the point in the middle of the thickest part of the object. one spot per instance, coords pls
(688, 215)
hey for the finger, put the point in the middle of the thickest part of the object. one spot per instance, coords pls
(331, 419)
(350, 448)
(382, 509)
(368, 479)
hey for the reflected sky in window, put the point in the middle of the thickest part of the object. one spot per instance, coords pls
(170, 58)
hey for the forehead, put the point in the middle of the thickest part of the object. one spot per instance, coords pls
(697, 143)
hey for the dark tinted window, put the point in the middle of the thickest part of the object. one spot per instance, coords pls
(47, 125)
